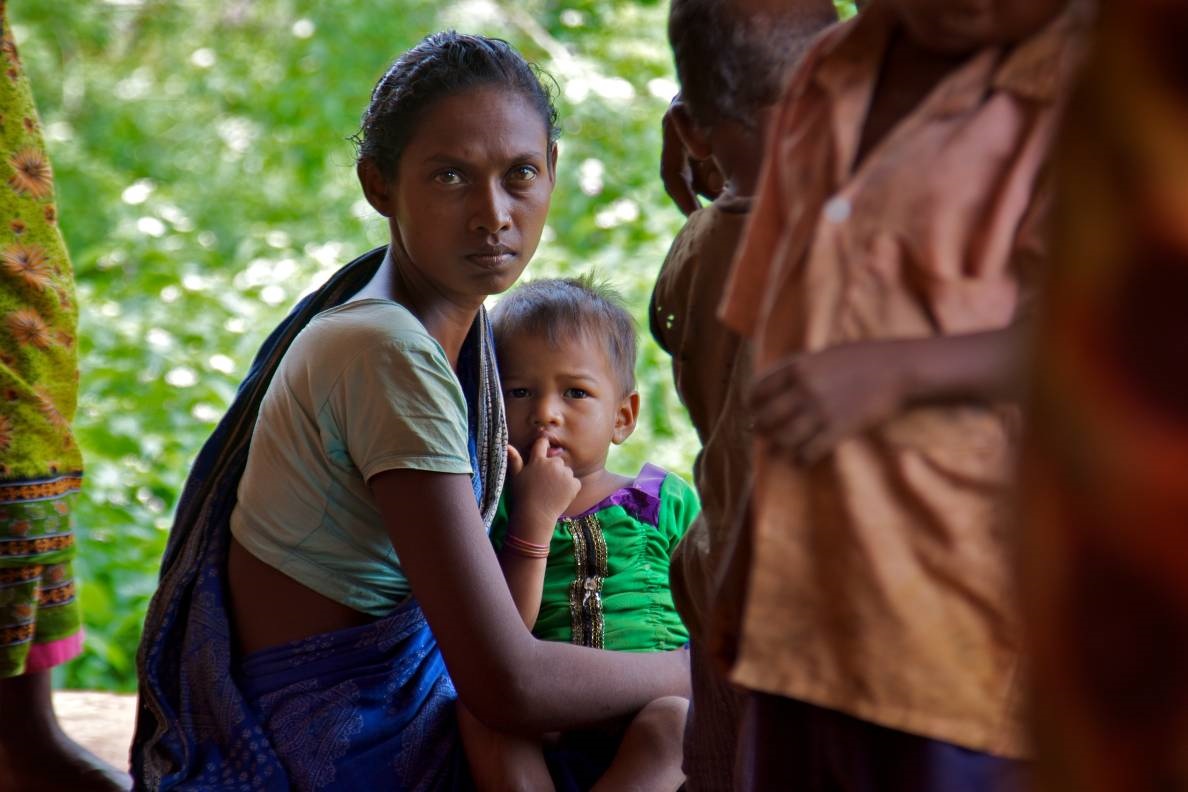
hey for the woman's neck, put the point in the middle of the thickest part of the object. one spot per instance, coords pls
(447, 320)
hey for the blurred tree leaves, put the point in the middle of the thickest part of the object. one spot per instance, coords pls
(206, 181)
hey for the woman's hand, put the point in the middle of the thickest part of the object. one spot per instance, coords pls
(541, 488)
(807, 404)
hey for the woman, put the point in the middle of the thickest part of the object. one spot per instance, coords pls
(359, 469)
(40, 463)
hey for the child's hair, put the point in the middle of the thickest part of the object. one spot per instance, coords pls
(560, 309)
(441, 65)
(731, 62)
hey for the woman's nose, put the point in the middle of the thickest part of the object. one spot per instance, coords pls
(491, 212)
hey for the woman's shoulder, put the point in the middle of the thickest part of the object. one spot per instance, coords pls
(354, 328)
(371, 316)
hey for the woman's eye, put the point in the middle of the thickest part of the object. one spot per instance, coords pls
(523, 173)
(577, 393)
(448, 177)
(517, 393)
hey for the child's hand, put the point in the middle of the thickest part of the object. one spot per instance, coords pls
(807, 404)
(542, 489)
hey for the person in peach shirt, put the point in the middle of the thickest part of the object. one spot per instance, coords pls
(894, 244)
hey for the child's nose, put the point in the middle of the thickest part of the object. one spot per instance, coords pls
(544, 412)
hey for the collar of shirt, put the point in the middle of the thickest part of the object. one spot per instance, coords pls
(1033, 69)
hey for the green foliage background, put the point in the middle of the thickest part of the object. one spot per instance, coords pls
(205, 182)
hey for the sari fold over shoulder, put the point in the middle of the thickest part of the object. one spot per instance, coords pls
(362, 708)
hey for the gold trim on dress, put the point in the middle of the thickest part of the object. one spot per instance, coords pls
(590, 570)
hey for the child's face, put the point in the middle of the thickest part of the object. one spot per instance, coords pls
(569, 393)
(957, 26)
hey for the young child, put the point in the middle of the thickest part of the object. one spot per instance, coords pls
(893, 243)
(585, 551)
(731, 59)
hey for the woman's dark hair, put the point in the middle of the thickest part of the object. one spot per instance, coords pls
(441, 65)
(559, 309)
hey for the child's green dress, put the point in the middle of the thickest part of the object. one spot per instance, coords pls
(606, 578)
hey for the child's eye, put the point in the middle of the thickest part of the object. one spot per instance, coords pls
(523, 173)
(577, 393)
(448, 176)
(516, 393)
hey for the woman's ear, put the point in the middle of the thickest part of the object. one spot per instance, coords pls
(376, 187)
(626, 417)
(554, 150)
(695, 138)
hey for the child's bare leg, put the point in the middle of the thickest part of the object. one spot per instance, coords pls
(34, 751)
(649, 757)
(501, 762)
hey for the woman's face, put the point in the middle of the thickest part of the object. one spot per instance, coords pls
(471, 192)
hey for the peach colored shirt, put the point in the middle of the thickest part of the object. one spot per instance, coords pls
(880, 581)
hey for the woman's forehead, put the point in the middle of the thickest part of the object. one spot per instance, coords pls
(489, 121)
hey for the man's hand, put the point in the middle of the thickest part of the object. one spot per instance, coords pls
(805, 405)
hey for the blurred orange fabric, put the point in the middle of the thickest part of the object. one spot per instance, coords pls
(1106, 463)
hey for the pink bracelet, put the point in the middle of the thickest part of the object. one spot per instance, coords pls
(524, 548)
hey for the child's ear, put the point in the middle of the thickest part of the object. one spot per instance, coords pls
(626, 417)
(376, 187)
(695, 138)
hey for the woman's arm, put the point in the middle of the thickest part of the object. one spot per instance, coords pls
(507, 678)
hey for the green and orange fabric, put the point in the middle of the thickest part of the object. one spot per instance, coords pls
(40, 463)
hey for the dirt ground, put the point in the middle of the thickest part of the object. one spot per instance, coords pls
(100, 721)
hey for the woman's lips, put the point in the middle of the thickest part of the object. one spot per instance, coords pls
(492, 257)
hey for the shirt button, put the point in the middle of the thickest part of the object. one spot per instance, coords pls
(837, 210)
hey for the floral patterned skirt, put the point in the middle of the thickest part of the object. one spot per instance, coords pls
(40, 464)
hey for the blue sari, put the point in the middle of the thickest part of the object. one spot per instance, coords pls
(369, 707)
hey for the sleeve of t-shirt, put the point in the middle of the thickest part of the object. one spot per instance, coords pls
(667, 302)
(398, 405)
(679, 506)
